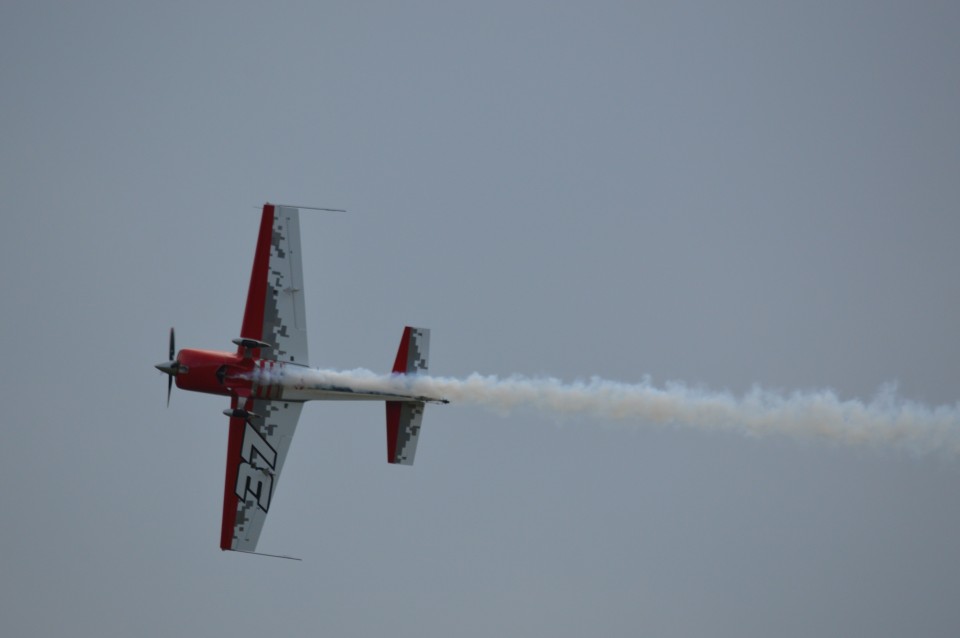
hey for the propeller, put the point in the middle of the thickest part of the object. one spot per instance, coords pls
(171, 367)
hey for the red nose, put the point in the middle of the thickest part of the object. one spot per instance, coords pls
(211, 372)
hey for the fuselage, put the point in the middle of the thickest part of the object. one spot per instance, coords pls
(232, 374)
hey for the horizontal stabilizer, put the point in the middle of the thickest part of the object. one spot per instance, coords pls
(413, 352)
(404, 417)
(403, 430)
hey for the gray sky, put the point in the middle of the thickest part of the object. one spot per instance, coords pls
(753, 193)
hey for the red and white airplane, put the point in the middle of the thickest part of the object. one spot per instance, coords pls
(264, 379)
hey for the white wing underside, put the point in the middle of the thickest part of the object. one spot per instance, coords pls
(256, 479)
(284, 316)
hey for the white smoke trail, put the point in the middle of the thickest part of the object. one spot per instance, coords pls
(887, 419)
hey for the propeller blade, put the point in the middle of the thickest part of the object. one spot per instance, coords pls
(171, 367)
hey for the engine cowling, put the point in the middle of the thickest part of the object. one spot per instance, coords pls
(223, 373)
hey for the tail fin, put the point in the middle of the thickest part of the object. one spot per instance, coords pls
(404, 417)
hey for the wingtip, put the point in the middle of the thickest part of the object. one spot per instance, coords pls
(244, 551)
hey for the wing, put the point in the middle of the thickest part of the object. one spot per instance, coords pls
(255, 453)
(275, 305)
(257, 447)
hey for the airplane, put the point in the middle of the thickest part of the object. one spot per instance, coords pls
(264, 379)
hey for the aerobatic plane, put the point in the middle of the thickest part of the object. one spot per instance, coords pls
(264, 379)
